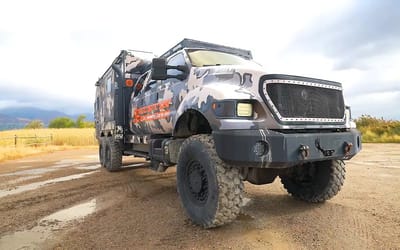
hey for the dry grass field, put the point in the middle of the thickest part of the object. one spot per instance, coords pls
(34, 141)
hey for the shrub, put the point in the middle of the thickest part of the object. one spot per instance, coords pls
(62, 122)
(34, 124)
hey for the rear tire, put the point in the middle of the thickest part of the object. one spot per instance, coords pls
(112, 155)
(210, 190)
(315, 182)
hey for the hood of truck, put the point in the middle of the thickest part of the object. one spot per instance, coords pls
(320, 101)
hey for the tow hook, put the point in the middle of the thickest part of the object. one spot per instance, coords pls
(347, 146)
(304, 151)
(325, 152)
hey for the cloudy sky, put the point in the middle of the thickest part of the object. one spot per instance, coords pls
(52, 52)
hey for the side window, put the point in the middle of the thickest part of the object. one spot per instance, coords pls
(176, 60)
(145, 83)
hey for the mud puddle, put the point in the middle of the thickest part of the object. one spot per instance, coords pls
(46, 228)
(35, 185)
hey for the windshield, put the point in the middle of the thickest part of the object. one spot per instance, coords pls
(200, 58)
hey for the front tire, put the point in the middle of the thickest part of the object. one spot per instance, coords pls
(112, 155)
(210, 190)
(316, 181)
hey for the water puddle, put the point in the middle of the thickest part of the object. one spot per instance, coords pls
(66, 162)
(33, 238)
(21, 179)
(35, 171)
(36, 185)
(61, 166)
(91, 167)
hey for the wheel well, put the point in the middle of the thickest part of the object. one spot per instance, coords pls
(191, 122)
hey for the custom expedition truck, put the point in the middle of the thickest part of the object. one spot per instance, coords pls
(217, 115)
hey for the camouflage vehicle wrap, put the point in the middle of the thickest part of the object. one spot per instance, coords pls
(214, 98)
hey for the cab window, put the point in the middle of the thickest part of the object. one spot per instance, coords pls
(176, 60)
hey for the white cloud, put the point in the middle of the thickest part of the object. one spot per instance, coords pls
(380, 104)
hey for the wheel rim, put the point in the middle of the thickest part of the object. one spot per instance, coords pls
(197, 183)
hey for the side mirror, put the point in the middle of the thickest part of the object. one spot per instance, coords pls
(159, 69)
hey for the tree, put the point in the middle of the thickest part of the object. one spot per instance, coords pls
(62, 122)
(81, 123)
(35, 124)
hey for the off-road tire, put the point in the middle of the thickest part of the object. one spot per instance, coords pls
(101, 151)
(325, 182)
(210, 190)
(112, 155)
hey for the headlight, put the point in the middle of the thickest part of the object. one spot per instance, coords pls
(244, 109)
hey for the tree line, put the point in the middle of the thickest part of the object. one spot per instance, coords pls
(62, 122)
(378, 130)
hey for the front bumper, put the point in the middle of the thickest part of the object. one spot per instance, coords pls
(242, 147)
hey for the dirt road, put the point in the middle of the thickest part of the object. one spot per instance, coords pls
(65, 200)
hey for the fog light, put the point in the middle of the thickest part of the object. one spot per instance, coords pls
(244, 109)
(261, 148)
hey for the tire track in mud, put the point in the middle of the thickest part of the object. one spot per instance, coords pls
(340, 226)
(362, 232)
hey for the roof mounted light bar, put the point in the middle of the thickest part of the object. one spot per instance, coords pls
(190, 43)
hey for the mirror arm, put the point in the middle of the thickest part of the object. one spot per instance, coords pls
(182, 68)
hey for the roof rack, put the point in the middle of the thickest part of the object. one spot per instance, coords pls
(190, 43)
(125, 52)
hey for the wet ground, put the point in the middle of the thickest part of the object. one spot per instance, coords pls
(64, 200)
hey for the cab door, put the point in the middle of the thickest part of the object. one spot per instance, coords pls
(158, 101)
(170, 90)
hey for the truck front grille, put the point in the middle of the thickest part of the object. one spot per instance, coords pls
(294, 100)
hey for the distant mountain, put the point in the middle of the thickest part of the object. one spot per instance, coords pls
(32, 113)
(9, 122)
(14, 118)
